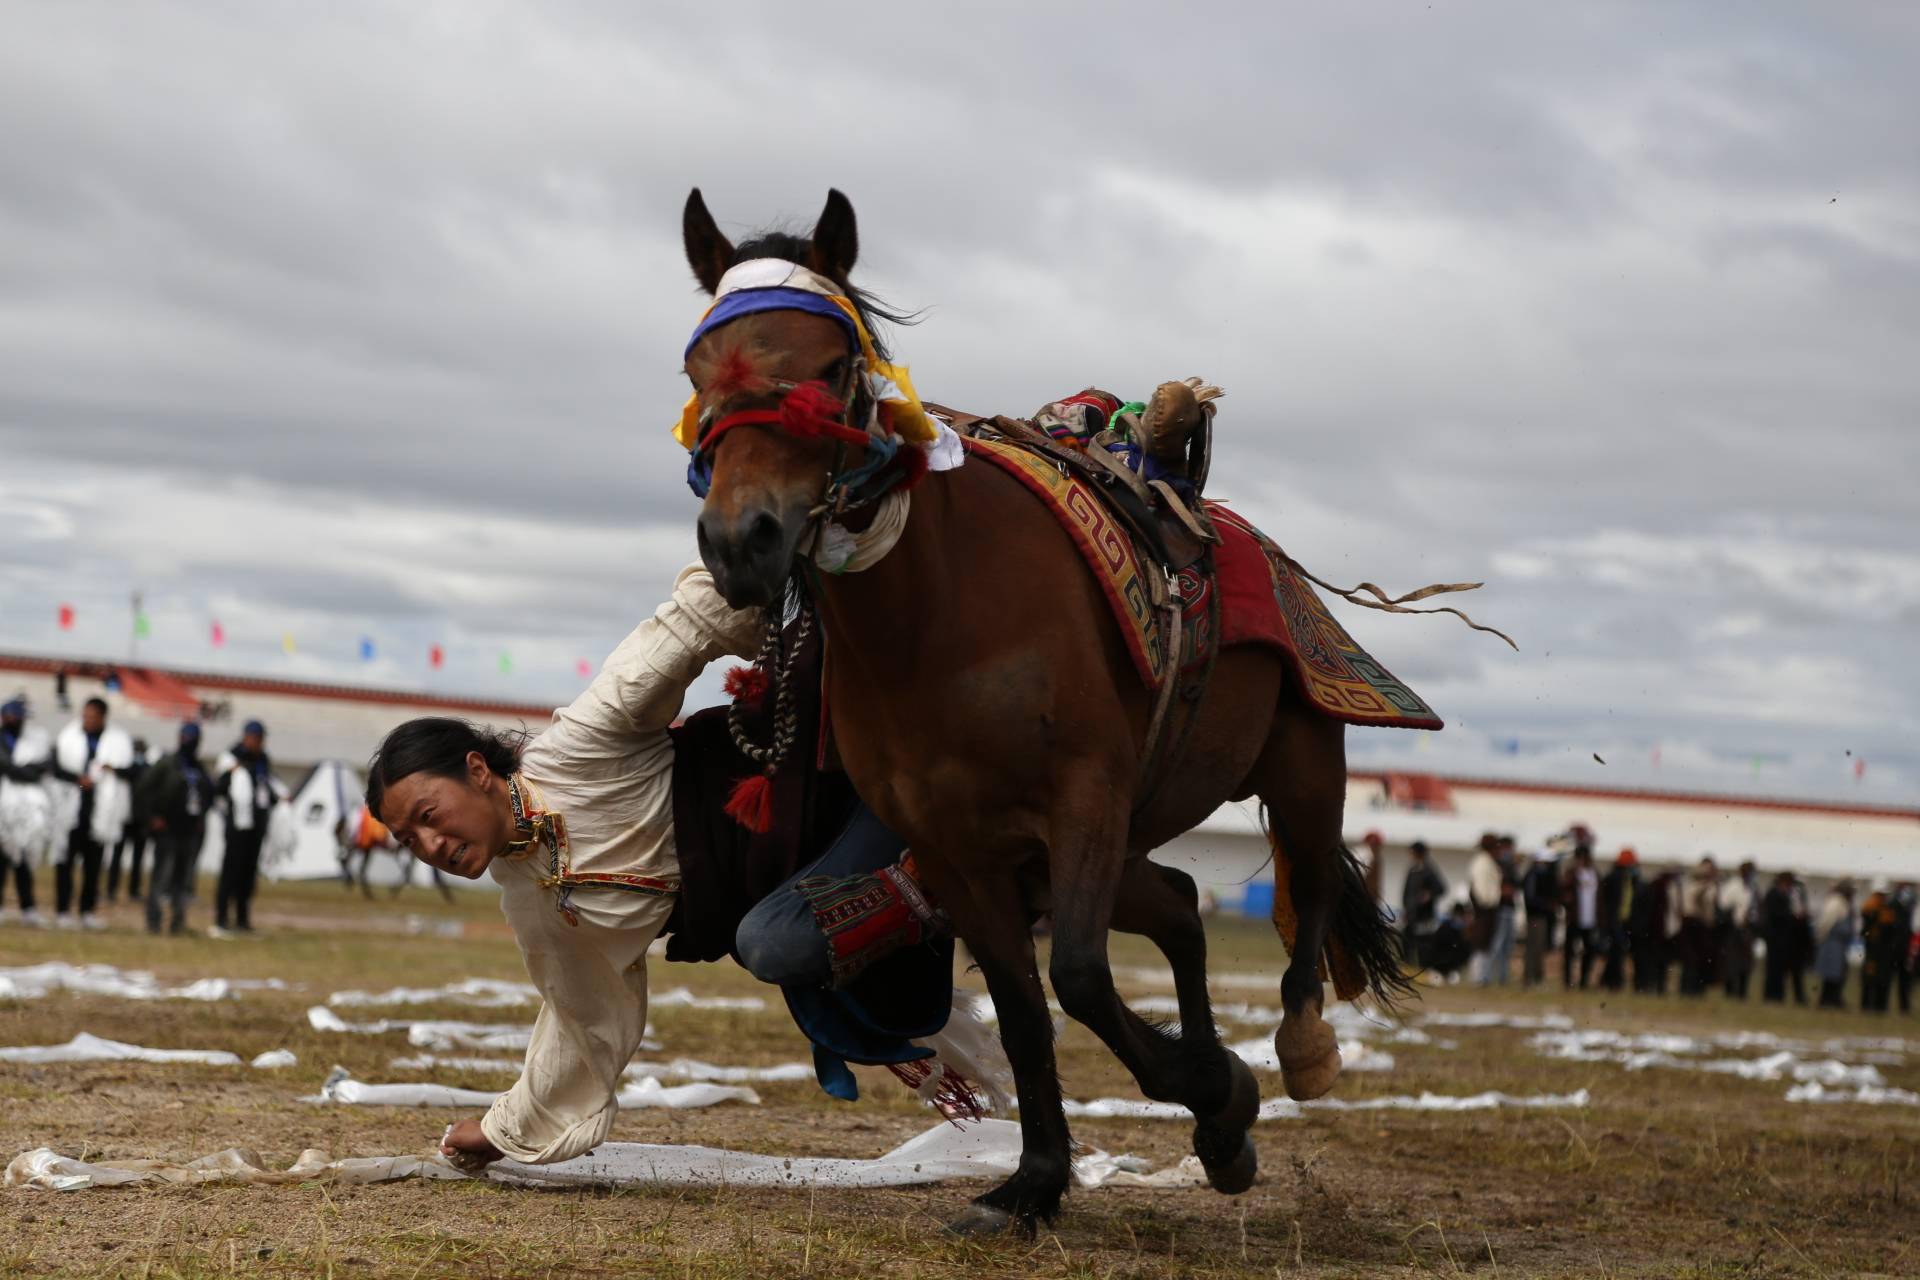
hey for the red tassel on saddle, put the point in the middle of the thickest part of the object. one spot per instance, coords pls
(747, 685)
(751, 804)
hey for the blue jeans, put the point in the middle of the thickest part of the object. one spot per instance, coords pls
(779, 941)
(1499, 957)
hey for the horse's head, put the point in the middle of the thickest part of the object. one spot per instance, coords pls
(783, 404)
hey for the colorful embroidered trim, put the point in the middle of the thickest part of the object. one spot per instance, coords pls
(864, 917)
(545, 830)
(1280, 609)
(1341, 678)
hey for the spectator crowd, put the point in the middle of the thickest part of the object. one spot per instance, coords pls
(102, 809)
(1624, 925)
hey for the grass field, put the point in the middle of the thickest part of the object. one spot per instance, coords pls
(1666, 1173)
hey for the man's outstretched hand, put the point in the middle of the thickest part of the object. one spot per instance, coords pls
(466, 1147)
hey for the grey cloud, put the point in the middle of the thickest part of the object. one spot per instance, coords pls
(1478, 280)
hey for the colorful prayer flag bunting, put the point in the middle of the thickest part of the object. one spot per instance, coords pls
(218, 634)
(436, 657)
(66, 617)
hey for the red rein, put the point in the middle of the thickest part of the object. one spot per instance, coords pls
(808, 411)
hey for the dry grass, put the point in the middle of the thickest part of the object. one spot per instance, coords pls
(1667, 1173)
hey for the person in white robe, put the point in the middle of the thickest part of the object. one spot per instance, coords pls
(93, 801)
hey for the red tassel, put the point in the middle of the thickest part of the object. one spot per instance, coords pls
(810, 410)
(748, 685)
(751, 804)
(913, 462)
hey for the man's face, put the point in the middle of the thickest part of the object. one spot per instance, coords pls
(11, 722)
(93, 719)
(449, 823)
(253, 741)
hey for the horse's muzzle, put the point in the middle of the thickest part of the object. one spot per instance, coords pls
(749, 554)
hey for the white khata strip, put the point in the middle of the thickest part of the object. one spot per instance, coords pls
(34, 981)
(487, 993)
(1814, 1091)
(441, 1035)
(990, 1149)
(678, 1069)
(1675, 1052)
(344, 1089)
(1518, 1022)
(91, 1048)
(1287, 1109)
(87, 1047)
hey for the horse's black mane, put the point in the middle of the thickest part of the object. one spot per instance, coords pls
(783, 244)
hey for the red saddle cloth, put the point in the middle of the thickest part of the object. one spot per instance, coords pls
(1263, 600)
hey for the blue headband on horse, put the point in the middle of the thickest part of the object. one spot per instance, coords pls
(746, 302)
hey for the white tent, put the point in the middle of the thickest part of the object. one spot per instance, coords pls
(330, 794)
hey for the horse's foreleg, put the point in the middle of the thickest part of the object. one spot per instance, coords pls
(1301, 778)
(990, 917)
(1161, 904)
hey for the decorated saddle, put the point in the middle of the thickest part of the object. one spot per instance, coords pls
(1185, 575)
(1262, 600)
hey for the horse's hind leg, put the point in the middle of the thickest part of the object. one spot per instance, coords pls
(1162, 905)
(1301, 778)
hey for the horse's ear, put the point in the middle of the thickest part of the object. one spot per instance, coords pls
(836, 241)
(709, 253)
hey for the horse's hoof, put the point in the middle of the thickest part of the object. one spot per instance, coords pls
(1237, 1174)
(1309, 1054)
(1222, 1140)
(982, 1220)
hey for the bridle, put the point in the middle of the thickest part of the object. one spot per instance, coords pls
(813, 410)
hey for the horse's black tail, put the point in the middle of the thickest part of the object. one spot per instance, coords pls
(1364, 947)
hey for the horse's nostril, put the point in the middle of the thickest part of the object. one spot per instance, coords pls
(763, 534)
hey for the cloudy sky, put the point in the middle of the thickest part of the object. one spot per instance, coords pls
(349, 321)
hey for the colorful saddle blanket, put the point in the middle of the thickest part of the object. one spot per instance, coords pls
(1263, 600)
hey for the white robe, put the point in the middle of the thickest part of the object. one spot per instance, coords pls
(585, 908)
(28, 821)
(112, 797)
(239, 793)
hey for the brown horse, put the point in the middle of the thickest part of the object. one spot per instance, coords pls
(985, 707)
